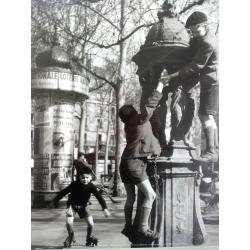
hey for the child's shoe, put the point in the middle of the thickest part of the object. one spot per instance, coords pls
(149, 235)
(91, 241)
(68, 242)
(208, 157)
(127, 231)
(189, 144)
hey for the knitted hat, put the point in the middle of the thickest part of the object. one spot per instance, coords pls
(84, 170)
(196, 18)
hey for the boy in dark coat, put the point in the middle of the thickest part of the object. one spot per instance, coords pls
(205, 63)
(141, 143)
(80, 191)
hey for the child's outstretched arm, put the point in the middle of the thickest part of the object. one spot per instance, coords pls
(198, 63)
(152, 102)
(59, 196)
(101, 200)
(106, 212)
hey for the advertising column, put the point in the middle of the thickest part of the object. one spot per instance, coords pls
(55, 91)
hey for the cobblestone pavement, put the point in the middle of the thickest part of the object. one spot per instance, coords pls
(49, 232)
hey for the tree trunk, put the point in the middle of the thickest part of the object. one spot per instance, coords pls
(84, 104)
(82, 128)
(95, 165)
(119, 137)
(108, 134)
(120, 100)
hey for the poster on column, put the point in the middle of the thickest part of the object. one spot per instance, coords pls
(62, 140)
(60, 171)
(61, 159)
(42, 142)
(41, 172)
(42, 114)
(42, 147)
(63, 117)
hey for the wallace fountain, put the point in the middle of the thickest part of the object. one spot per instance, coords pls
(176, 214)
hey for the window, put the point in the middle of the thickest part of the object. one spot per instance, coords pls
(76, 136)
(99, 122)
(100, 138)
(112, 140)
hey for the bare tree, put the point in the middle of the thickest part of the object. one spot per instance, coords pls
(109, 31)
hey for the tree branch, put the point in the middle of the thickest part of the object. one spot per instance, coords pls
(79, 2)
(91, 1)
(79, 38)
(98, 87)
(199, 2)
(95, 74)
(123, 39)
(217, 29)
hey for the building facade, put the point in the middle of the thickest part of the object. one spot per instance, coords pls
(99, 120)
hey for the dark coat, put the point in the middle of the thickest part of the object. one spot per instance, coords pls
(205, 60)
(80, 194)
(140, 139)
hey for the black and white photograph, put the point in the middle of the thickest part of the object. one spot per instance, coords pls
(136, 82)
(119, 135)
(124, 124)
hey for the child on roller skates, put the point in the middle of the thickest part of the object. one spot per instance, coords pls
(141, 143)
(80, 191)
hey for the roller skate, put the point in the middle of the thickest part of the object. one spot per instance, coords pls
(91, 241)
(148, 235)
(127, 231)
(208, 157)
(145, 239)
(69, 240)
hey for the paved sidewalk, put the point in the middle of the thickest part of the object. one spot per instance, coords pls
(49, 232)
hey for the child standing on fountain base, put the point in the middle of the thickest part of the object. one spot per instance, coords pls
(80, 191)
(141, 143)
(205, 62)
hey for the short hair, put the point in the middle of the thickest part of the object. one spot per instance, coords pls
(127, 111)
(84, 170)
